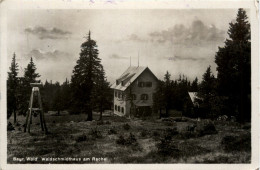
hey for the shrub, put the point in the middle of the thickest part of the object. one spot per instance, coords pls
(206, 128)
(126, 126)
(100, 122)
(112, 131)
(10, 127)
(81, 138)
(168, 123)
(180, 119)
(171, 131)
(131, 140)
(95, 133)
(144, 133)
(166, 147)
(108, 122)
(236, 143)
(156, 134)
(187, 135)
(121, 140)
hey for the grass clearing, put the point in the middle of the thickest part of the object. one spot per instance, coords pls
(121, 140)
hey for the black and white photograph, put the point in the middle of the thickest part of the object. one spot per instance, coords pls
(130, 85)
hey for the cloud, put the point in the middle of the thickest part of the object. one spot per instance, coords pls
(134, 37)
(115, 56)
(196, 34)
(182, 58)
(44, 33)
(55, 55)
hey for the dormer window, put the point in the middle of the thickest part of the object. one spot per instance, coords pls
(117, 82)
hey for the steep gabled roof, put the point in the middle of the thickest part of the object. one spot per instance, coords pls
(193, 96)
(128, 77)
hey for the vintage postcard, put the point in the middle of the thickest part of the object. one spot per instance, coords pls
(129, 84)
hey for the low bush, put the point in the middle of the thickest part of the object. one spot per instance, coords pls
(144, 133)
(166, 147)
(168, 123)
(236, 143)
(188, 135)
(171, 131)
(100, 122)
(121, 140)
(112, 131)
(180, 119)
(108, 122)
(156, 134)
(131, 140)
(126, 126)
(10, 127)
(205, 128)
(95, 133)
(81, 138)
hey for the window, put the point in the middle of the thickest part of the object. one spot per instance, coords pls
(133, 97)
(148, 84)
(122, 109)
(115, 93)
(116, 107)
(119, 95)
(140, 84)
(144, 97)
(144, 84)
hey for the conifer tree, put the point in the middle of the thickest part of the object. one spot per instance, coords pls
(206, 93)
(159, 98)
(167, 92)
(101, 94)
(234, 68)
(12, 84)
(194, 85)
(83, 78)
(30, 76)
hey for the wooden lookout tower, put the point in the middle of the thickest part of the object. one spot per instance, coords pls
(35, 93)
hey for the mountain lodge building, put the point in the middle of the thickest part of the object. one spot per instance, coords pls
(133, 92)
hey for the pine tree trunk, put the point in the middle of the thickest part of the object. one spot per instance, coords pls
(160, 116)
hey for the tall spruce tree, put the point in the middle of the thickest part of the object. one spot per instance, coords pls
(194, 85)
(30, 76)
(101, 94)
(159, 98)
(234, 69)
(84, 74)
(167, 80)
(206, 93)
(12, 83)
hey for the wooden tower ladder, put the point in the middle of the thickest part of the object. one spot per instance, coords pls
(35, 91)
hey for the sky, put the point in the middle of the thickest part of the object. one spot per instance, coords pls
(179, 41)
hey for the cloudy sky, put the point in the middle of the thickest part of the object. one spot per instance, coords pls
(180, 41)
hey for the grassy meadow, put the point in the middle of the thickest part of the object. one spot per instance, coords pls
(121, 140)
